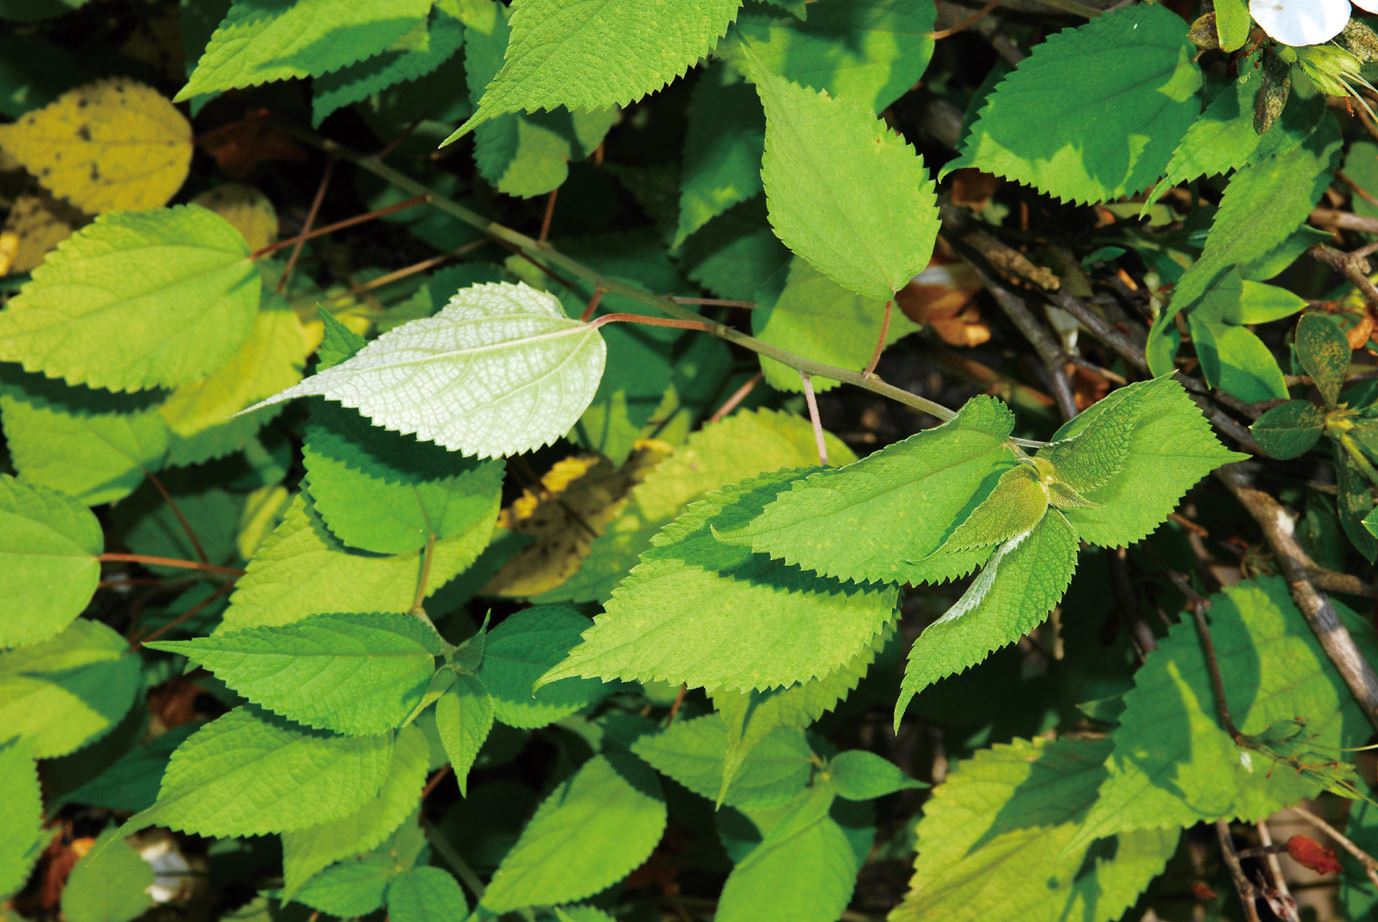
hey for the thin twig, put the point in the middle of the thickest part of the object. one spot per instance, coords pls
(311, 214)
(734, 401)
(1248, 894)
(880, 340)
(187, 615)
(676, 704)
(548, 217)
(812, 402)
(182, 520)
(1270, 858)
(424, 579)
(1198, 607)
(154, 561)
(339, 225)
(967, 22)
(714, 302)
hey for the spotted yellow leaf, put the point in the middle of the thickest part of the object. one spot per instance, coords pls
(574, 502)
(37, 222)
(110, 145)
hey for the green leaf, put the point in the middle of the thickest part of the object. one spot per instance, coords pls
(21, 822)
(1324, 353)
(1240, 301)
(818, 319)
(595, 54)
(611, 800)
(1235, 360)
(444, 35)
(353, 674)
(723, 143)
(387, 493)
(1371, 522)
(515, 655)
(263, 40)
(741, 446)
(996, 841)
(1232, 24)
(1013, 508)
(94, 445)
(68, 691)
(464, 718)
(750, 717)
(301, 570)
(860, 775)
(174, 288)
(1263, 204)
(1273, 669)
(1052, 126)
(1354, 476)
(871, 51)
(844, 191)
(1015, 591)
(307, 851)
(350, 889)
(248, 774)
(804, 870)
(920, 488)
(680, 614)
(131, 782)
(1168, 448)
(49, 545)
(201, 415)
(426, 895)
(497, 352)
(692, 752)
(108, 884)
(1289, 430)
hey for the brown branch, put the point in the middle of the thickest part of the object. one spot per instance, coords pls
(374, 215)
(812, 403)
(311, 214)
(1278, 528)
(1354, 267)
(187, 615)
(880, 340)
(196, 546)
(1248, 893)
(548, 217)
(736, 398)
(152, 561)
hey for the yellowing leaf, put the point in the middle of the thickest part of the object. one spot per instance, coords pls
(113, 144)
(248, 210)
(37, 222)
(576, 500)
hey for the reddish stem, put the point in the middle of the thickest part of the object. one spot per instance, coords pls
(593, 304)
(154, 561)
(701, 326)
(341, 225)
(880, 340)
(196, 545)
(548, 217)
(310, 222)
(737, 397)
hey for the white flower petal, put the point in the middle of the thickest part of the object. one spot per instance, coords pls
(1301, 22)
(1368, 6)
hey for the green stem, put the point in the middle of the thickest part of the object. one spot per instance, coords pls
(668, 306)
(1356, 454)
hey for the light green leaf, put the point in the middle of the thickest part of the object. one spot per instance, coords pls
(357, 674)
(350, 889)
(679, 616)
(1324, 353)
(595, 54)
(93, 445)
(21, 820)
(844, 191)
(804, 870)
(301, 570)
(1232, 24)
(496, 353)
(307, 851)
(920, 488)
(248, 773)
(751, 717)
(263, 40)
(871, 51)
(741, 446)
(201, 415)
(1273, 669)
(49, 545)
(1015, 591)
(464, 717)
(723, 142)
(692, 752)
(110, 883)
(1168, 447)
(581, 914)
(68, 691)
(612, 800)
(860, 775)
(1289, 430)
(387, 493)
(1013, 508)
(820, 320)
(1235, 360)
(1241, 301)
(173, 287)
(400, 64)
(996, 841)
(426, 895)
(515, 655)
(130, 783)
(1048, 126)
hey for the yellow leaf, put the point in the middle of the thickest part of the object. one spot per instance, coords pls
(575, 501)
(36, 223)
(247, 209)
(109, 145)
